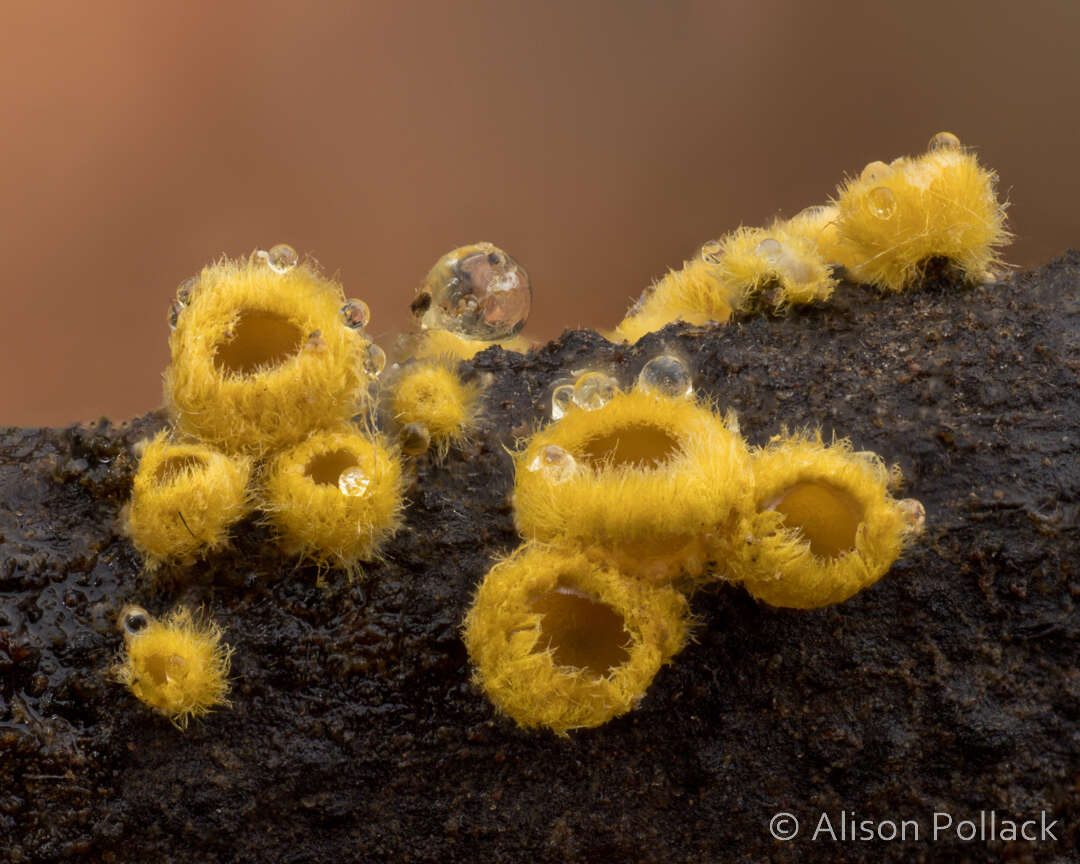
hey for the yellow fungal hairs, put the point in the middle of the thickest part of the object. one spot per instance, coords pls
(261, 357)
(178, 666)
(444, 345)
(183, 500)
(825, 526)
(894, 218)
(773, 268)
(694, 294)
(335, 498)
(432, 394)
(561, 642)
(648, 479)
(818, 224)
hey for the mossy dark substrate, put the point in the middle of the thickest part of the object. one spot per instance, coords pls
(355, 734)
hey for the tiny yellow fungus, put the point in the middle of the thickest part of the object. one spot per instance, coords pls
(184, 498)
(561, 642)
(892, 219)
(176, 665)
(263, 354)
(444, 345)
(335, 498)
(432, 394)
(824, 528)
(774, 268)
(695, 294)
(646, 479)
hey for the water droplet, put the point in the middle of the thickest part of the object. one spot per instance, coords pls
(353, 482)
(594, 390)
(914, 516)
(944, 141)
(666, 375)
(710, 252)
(134, 620)
(414, 439)
(881, 203)
(769, 248)
(374, 360)
(562, 399)
(476, 291)
(176, 667)
(555, 463)
(282, 258)
(875, 172)
(356, 314)
(183, 297)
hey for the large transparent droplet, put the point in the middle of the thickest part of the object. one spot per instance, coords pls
(414, 439)
(353, 482)
(769, 248)
(666, 375)
(881, 203)
(356, 314)
(282, 258)
(562, 400)
(555, 463)
(914, 516)
(710, 252)
(478, 291)
(944, 141)
(374, 360)
(875, 172)
(594, 390)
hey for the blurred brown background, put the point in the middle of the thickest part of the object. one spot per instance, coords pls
(597, 142)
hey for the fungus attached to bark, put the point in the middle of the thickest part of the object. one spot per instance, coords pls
(263, 352)
(336, 497)
(177, 665)
(184, 498)
(824, 526)
(649, 480)
(561, 642)
(433, 395)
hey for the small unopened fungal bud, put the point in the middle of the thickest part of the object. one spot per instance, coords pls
(914, 516)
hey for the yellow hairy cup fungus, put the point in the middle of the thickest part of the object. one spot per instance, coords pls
(893, 219)
(695, 294)
(773, 268)
(264, 351)
(184, 498)
(561, 642)
(650, 480)
(825, 526)
(336, 497)
(433, 395)
(176, 665)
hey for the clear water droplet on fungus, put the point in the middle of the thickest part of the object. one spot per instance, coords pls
(176, 668)
(769, 248)
(183, 297)
(134, 620)
(555, 463)
(875, 171)
(881, 203)
(666, 375)
(353, 482)
(356, 314)
(710, 252)
(478, 291)
(374, 360)
(594, 390)
(414, 439)
(914, 516)
(562, 399)
(944, 141)
(282, 258)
